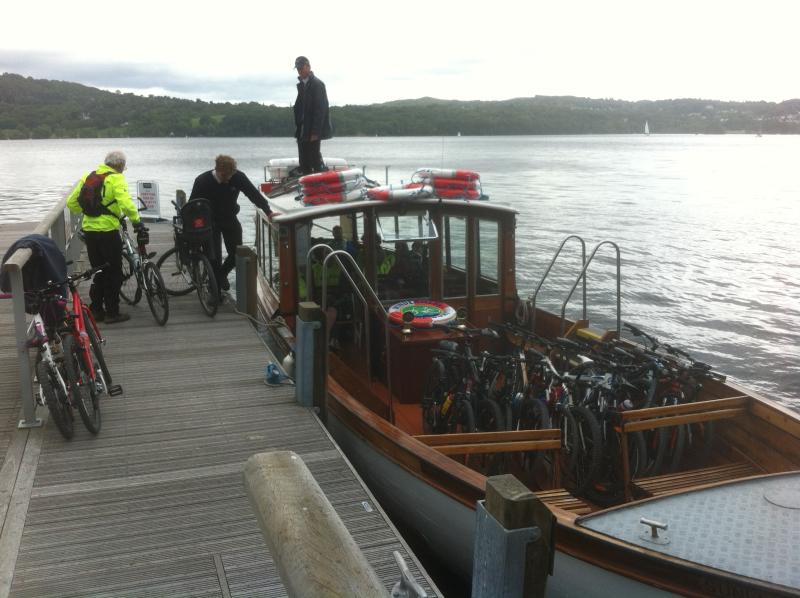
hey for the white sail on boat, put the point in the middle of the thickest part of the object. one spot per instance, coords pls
(646, 128)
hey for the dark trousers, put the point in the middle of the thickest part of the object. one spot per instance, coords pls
(105, 247)
(231, 232)
(310, 156)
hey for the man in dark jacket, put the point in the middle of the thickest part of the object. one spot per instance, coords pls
(312, 117)
(221, 187)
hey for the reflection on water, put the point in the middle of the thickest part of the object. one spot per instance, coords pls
(706, 224)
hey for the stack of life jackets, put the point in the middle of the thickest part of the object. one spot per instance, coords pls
(332, 186)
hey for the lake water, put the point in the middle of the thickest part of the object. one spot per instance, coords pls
(708, 227)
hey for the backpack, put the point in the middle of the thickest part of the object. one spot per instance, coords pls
(90, 198)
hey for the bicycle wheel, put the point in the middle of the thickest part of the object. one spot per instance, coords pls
(83, 389)
(462, 418)
(533, 415)
(591, 449)
(157, 297)
(433, 395)
(206, 283)
(175, 275)
(490, 417)
(570, 442)
(700, 441)
(97, 348)
(57, 402)
(130, 291)
(669, 445)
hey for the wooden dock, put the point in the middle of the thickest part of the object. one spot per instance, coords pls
(155, 504)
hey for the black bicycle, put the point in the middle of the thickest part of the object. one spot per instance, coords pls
(140, 276)
(187, 266)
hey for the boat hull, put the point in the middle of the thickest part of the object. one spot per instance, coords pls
(448, 527)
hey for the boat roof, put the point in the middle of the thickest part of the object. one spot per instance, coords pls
(749, 528)
(300, 212)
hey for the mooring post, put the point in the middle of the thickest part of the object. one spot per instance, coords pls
(246, 280)
(514, 544)
(310, 357)
(314, 553)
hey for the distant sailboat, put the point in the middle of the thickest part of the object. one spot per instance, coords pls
(646, 128)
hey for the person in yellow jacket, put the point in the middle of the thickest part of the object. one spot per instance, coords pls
(103, 242)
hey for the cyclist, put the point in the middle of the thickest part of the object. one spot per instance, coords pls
(221, 187)
(101, 232)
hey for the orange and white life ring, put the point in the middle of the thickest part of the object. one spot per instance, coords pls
(319, 199)
(467, 175)
(457, 193)
(331, 176)
(426, 312)
(390, 193)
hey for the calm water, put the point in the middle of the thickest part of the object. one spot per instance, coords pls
(707, 225)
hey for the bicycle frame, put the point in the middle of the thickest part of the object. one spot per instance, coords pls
(78, 317)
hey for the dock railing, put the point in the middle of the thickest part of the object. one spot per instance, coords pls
(60, 226)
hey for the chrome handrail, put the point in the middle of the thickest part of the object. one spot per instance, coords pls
(337, 254)
(583, 275)
(532, 298)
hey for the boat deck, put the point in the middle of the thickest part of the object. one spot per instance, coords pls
(749, 527)
(155, 504)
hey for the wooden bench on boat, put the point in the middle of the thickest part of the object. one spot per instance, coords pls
(674, 415)
(471, 443)
(684, 480)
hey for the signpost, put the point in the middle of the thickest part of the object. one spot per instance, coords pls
(147, 191)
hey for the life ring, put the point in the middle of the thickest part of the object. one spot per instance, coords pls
(466, 175)
(457, 193)
(331, 176)
(320, 199)
(448, 183)
(426, 312)
(387, 192)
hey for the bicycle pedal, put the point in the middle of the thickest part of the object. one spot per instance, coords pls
(115, 390)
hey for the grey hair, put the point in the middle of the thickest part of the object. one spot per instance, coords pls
(115, 160)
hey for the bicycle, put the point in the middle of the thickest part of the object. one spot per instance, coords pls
(189, 265)
(85, 366)
(444, 411)
(43, 336)
(140, 276)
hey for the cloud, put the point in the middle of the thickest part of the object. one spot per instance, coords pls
(146, 77)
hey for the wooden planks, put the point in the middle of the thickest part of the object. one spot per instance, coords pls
(672, 482)
(155, 505)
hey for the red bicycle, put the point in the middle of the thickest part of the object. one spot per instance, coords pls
(85, 366)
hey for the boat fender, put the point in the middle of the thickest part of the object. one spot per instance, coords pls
(427, 312)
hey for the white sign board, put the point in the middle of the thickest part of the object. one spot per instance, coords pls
(147, 191)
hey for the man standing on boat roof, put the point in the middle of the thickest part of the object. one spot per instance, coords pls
(221, 187)
(101, 234)
(312, 117)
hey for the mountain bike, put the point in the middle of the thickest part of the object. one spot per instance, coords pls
(140, 276)
(87, 373)
(43, 336)
(188, 265)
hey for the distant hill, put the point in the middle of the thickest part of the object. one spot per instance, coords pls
(40, 108)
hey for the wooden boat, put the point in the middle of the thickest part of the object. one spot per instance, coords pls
(733, 520)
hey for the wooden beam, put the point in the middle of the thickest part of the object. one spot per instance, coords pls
(676, 420)
(499, 447)
(728, 403)
(472, 437)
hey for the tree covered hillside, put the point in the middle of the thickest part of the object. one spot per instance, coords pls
(42, 109)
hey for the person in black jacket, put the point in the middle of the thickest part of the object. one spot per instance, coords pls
(221, 187)
(312, 117)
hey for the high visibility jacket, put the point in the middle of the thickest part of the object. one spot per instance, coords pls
(115, 197)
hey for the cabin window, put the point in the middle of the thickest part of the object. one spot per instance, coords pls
(454, 259)
(401, 260)
(337, 232)
(269, 253)
(488, 252)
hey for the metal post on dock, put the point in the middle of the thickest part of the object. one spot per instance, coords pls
(246, 276)
(514, 543)
(314, 553)
(310, 352)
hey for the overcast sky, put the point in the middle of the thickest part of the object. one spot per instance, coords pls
(379, 50)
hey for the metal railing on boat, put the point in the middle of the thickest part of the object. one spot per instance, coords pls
(60, 225)
(535, 293)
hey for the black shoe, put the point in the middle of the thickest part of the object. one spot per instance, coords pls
(120, 317)
(224, 284)
(98, 314)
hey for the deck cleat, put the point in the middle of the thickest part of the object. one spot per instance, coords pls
(115, 390)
